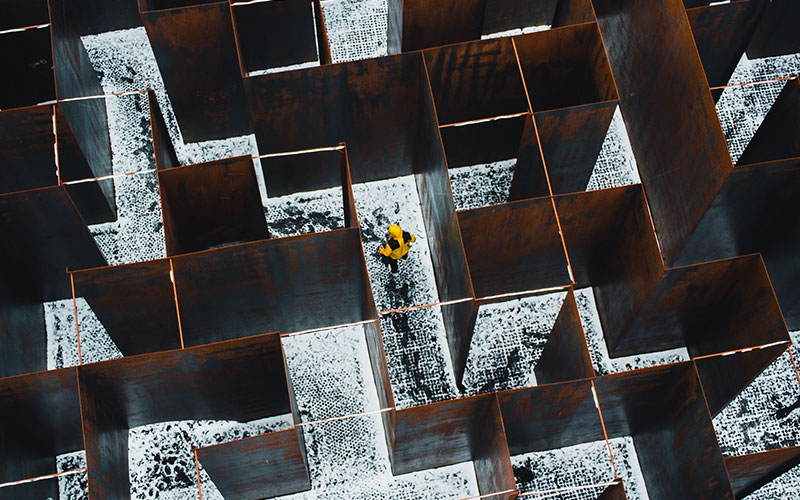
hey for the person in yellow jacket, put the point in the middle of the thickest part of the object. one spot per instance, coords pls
(398, 243)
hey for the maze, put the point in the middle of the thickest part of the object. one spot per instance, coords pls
(601, 302)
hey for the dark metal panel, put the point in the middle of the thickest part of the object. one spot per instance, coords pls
(711, 308)
(135, 303)
(614, 492)
(145, 5)
(26, 140)
(612, 248)
(188, 42)
(163, 149)
(530, 179)
(571, 140)
(721, 33)
(90, 17)
(17, 14)
(27, 68)
(573, 12)
(211, 204)
(491, 458)
(47, 488)
(504, 15)
(275, 34)
(350, 212)
(484, 142)
(283, 285)
(565, 67)
(431, 24)
(777, 137)
(724, 377)
(566, 355)
(475, 80)
(258, 467)
(675, 134)
(43, 235)
(776, 34)
(394, 26)
(323, 44)
(750, 472)
(513, 247)
(22, 330)
(550, 416)
(299, 173)
(379, 364)
(664, 410)
(443, 433)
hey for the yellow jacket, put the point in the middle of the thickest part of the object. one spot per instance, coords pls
(398, 243)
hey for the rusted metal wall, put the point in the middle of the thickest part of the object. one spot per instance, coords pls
(566, 355)
(750, 472)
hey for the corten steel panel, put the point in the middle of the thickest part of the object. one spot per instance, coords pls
(571, 140)
(504, 15)
(513, 247)
(90, 17)
(724, 377)
(379, 364)
(491, 458)
(475, 80)
(573, 12)
(371, 105)
(323, 44)
(675, 134)
(612, 248)
(444, 237)
(349, 200)
(95, 200)
(755, 212)
(565, 67)
(484, 142)
(664, 410)
(750, 472)
(450, 432)
(196, 54)
(27, 68)
(275, 34)
(394, 26)
(258, 467)
(18, 14)
(135, 303)
(26, 140)
(147, 5)
(431, 24)
(614, 492)
(566, 355)
(211, 204)
(47, 488)
(777, 137)
(721, 33)
(22, 328)
(302, 172)
(710, 308)
(288, 284)
(163, 150)
(43, 235)
(776, 34)
(550, 416)
(530, 179)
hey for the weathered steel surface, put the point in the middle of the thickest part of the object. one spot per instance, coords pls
(90, 17)
(724, 377)
(275, 34)
(664, 410)
(283, 285)
(427, 24)
(513, 247)
(491, 458)
(777, 137)
(26, 140)
(187, 42)
(566, 355)
(371, 105)
(300, 173)
(258, 467)
(565, 67)
(612, 248)
(530, 178)
(484, 142)
(679, 146)
(211, 204)
(721, 33)
(573, 12)
(750, 472)
(777, 32)
(18, 14)
(550, 416)
(614, 492)
(22, 327)
(163, 149)
(27, 68)
(43, 234)
(504, 15)
(135, 303)
(710, 308)
(571, 140)
(323, 44)
(379, 364)
(475, 80)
